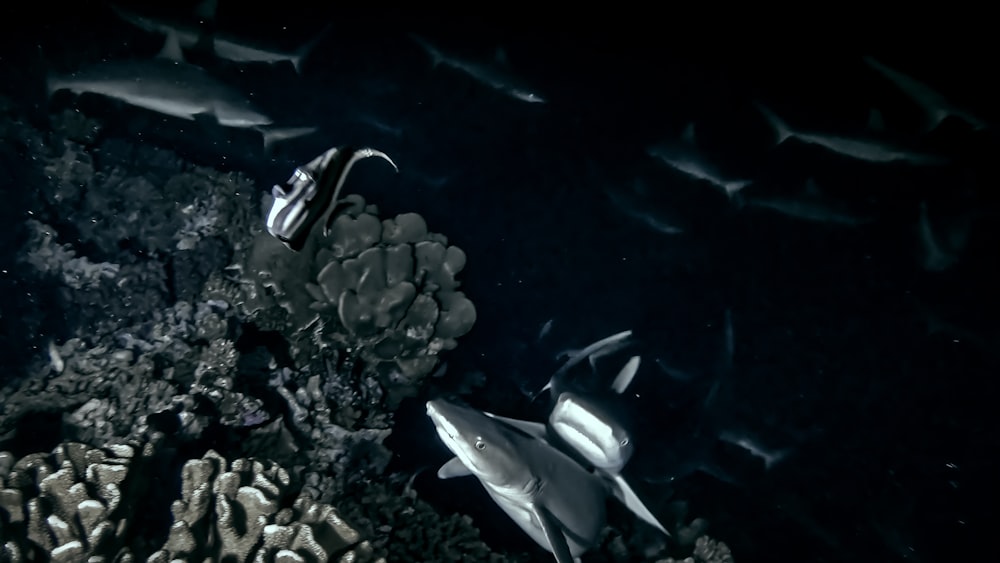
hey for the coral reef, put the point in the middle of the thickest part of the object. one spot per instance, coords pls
(175, 335)
(706, 550)
(60, 260)
(403, 527)
(77, 503)
(74, 504)
(235, 512)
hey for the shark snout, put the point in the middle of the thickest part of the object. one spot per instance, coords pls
(432, 408)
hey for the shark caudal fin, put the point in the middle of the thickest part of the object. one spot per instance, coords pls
(303, 52)
(781, 128)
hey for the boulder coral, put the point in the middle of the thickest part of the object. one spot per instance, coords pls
(385, 291)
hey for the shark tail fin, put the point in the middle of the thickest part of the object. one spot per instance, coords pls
(306, 49)
(781, 129)
(51, 79)
(207, 10)
(437, 57)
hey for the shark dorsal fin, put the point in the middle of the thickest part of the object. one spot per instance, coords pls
(172, 48)
(812, 188)
(688, 135)
(207, 9)
(875, 122)
(453, 468)
(553, 533)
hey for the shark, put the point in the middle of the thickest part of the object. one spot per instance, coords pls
(497, 76)
(935, 106)
(555, 500)
(687, 159)
(170, 86)
(858, 148)
(632, 203)
(811, 206)
(606, 345)
(591, 426)
(224, 46)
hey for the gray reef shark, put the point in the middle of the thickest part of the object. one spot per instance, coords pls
(497, 76)
(685, 157)
(170, 86)
(557, 502)
(936, 108)
(811, 206)
(591, 426)
(632, 202)
(868, 150)
(204, 36)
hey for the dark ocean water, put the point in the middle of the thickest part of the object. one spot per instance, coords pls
(868, 358)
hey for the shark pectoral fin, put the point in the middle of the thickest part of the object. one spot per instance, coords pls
(624, 493)
(553, 532)
(453, 468)
(626, 375)
(533, 429)
(272, 135)
(205, 118)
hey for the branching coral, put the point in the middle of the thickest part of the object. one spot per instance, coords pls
(238, 512)
(71, 505)
(78, 504)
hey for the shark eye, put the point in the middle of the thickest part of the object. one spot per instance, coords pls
(624, 442)
(480, 445)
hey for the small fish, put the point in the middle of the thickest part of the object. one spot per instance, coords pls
(311, 193)
(857, 148)
(685, 157)
(768, 456)
(55, 359)
(497, 76)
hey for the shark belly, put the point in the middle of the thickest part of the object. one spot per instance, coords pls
(572, 495)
